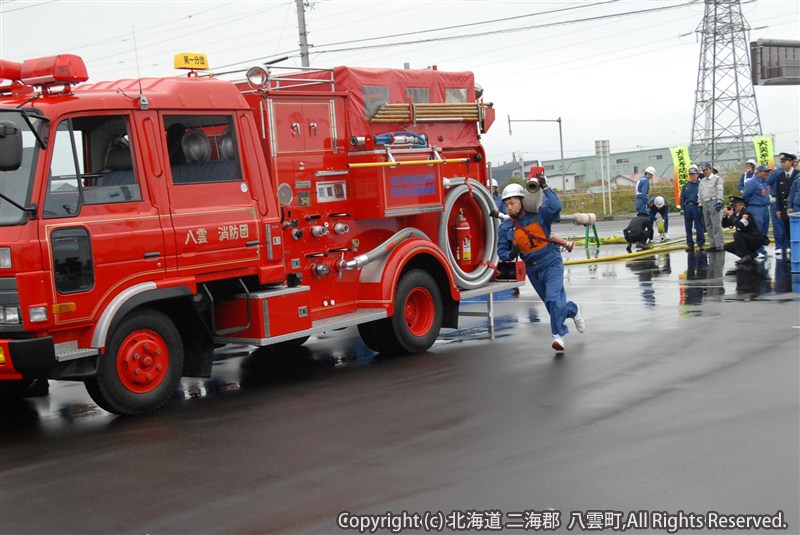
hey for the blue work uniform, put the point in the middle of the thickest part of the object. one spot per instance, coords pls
(779, 187)
(756, 200)
(691, 214)
(642, 194)
(746, 177)
(664, 211)
(543, 262)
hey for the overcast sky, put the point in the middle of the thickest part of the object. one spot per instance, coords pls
(629, 79)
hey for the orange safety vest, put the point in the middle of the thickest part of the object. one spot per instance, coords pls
(531, 238)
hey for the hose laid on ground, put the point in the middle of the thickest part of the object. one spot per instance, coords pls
(484, 272)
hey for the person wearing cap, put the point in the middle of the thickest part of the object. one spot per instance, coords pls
(643, 190)
(711, 197)
(747, 238)
(528, 235)
(498, 200)
(691, 211)
(756, 200)
(780, 184)
(658, 205)
(749, 174)
(638, 231)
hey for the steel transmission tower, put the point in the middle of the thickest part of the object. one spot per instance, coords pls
(725, 110)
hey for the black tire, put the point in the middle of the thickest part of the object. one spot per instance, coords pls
(141, 367)
(374, 334)
(417, 318)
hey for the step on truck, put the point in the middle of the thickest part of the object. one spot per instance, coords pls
(145, 222)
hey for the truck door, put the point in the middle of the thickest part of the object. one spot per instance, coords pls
(214, 215)
(102, 232)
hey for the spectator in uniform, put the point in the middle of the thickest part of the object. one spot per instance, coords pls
(638, 231)
(780, 183)
(659, 205)
(749, 174)
(711, 196)
(747, 238)
(498, 200)
(643, 190)
(756, 200)
(691, 211)
(529, 236)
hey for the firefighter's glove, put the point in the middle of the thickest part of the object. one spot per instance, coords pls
(718, 207)
(543, 181)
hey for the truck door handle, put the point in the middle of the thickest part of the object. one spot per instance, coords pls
(152, 254)
(295, 129)
(313, 129)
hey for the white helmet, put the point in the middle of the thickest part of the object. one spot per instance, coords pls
(752, 162)
(659, 201)
(651, 170)
(513, 190)
(493, 183)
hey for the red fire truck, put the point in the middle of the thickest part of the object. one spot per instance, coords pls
(145, 222)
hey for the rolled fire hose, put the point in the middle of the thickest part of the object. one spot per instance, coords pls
(483, 273)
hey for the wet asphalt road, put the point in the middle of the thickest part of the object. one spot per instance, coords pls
(681, 396)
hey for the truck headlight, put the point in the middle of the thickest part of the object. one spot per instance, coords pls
(38, 314)
(9, 315)
(5, 257)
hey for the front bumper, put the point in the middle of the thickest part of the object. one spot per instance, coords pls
(22, 359)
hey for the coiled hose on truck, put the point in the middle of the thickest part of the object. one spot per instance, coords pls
(484, 271)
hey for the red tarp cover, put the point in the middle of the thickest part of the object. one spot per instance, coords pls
(353, 79)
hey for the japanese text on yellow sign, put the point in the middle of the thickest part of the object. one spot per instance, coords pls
(765, 154)
(681, 162)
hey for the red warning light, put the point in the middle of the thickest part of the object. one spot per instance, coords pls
(61, 69)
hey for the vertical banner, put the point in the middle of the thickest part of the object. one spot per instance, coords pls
(765, 152)
(681, 162)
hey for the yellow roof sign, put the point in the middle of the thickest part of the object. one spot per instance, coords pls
(191, 60)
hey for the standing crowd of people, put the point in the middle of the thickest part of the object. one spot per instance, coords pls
(764, 194)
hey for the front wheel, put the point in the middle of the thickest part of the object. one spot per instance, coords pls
(141, 367)
(417, 317)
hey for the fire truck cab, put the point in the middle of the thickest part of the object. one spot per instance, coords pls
(145, 221)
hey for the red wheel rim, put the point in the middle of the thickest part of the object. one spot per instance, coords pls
(142, 361)
(419, 311)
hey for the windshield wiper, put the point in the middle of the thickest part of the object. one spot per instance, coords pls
(31, 210)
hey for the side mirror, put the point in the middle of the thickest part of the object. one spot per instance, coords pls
(10, 146)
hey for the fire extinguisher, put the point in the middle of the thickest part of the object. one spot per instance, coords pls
(463, 241)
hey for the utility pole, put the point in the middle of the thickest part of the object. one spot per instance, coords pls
(725, 112)
(301, 27)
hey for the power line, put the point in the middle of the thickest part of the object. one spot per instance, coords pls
(470, 24)
(508, 30)
(4, 11)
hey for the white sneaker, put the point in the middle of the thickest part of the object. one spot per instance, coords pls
(778, 253)
(666, 237)
(580, 323)
(558, 343)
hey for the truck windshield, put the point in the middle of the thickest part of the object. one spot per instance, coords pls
(18, 184)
